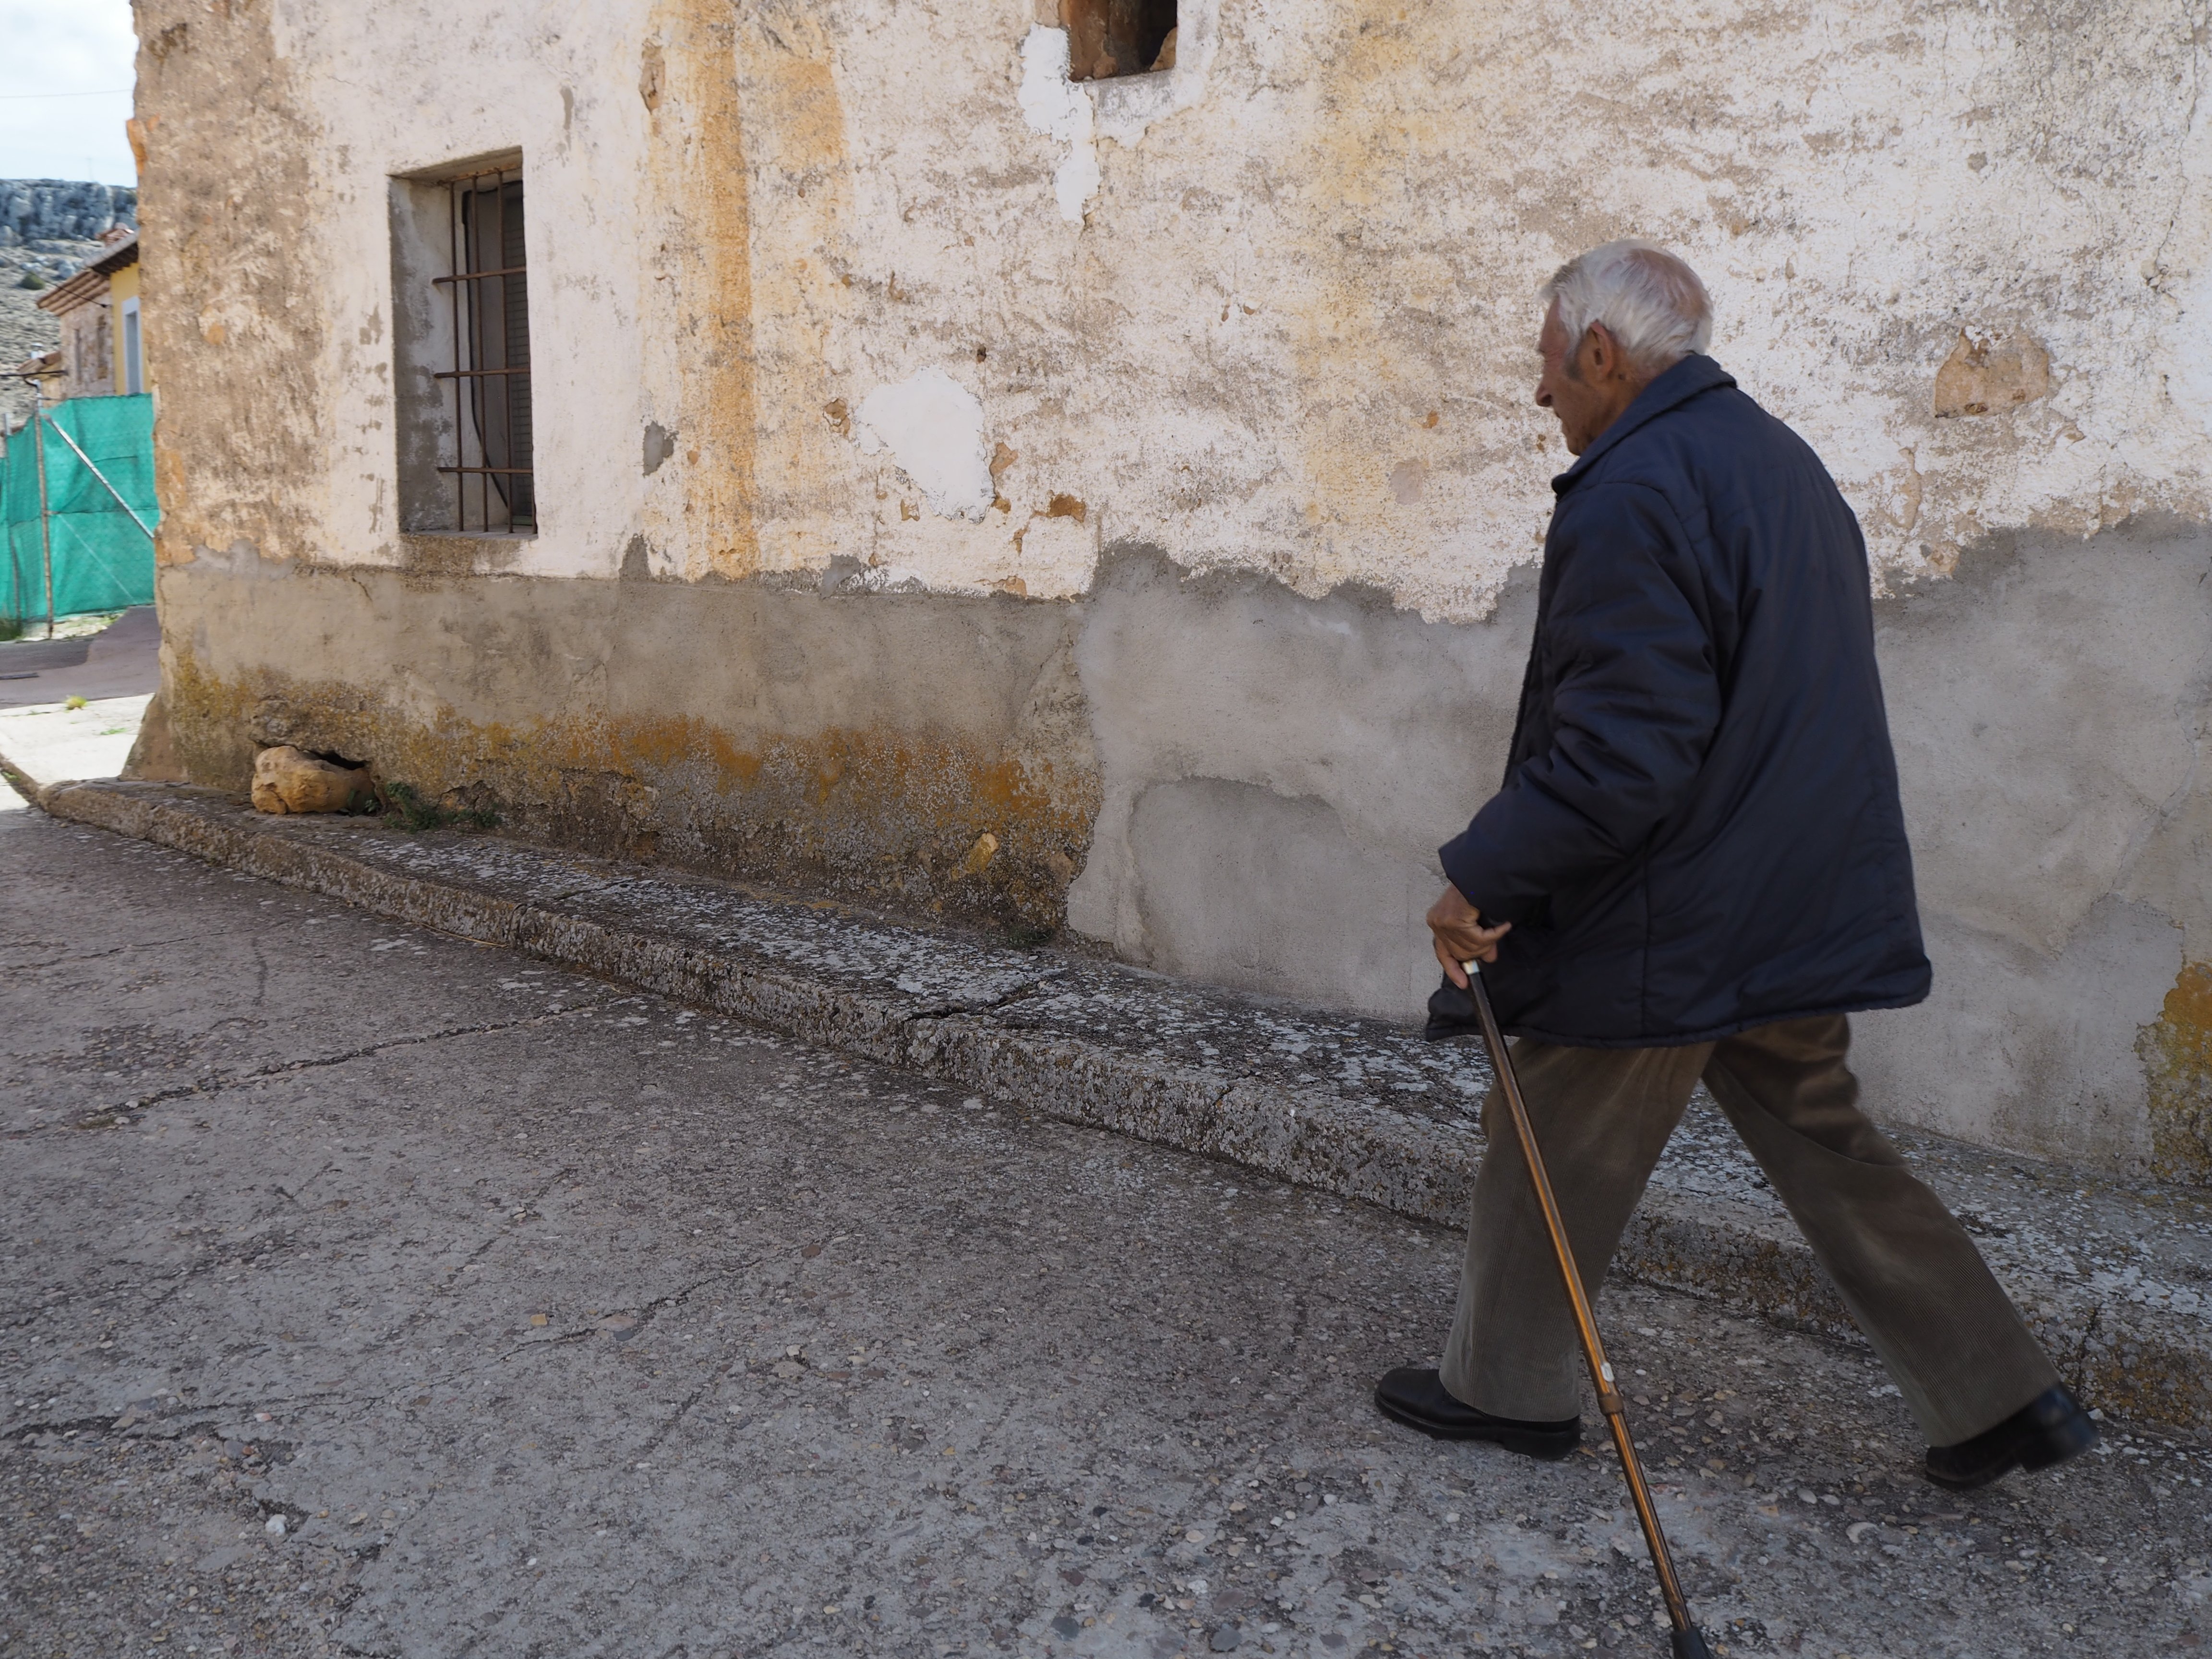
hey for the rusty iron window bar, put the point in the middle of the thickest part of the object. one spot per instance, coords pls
(488, 300)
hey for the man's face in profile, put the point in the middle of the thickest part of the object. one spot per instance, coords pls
(1587, 387)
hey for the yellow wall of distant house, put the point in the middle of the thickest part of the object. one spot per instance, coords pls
(121, 286)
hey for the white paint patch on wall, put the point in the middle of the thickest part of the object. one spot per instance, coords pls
(934, 427)
(1054, 105)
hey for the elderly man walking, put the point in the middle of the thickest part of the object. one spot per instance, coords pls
(1696, 868)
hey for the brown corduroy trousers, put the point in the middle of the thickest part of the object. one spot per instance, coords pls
(1906, 1269)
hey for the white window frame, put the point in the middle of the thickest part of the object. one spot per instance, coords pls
(130, 349)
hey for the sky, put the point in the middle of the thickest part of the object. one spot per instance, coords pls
(83, 49)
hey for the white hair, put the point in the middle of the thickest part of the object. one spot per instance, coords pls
(1650, 302)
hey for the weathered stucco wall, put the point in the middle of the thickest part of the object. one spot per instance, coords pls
(1142, 475)
(855, 745)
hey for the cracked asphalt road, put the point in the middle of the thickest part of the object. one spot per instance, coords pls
(545, 1318)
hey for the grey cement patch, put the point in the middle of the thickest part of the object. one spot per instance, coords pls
(836, 1360)
(2054, 1068)
(1276, 772)
(2033, 763)
(1215, 863)
(2045, 783)
(1379, 734)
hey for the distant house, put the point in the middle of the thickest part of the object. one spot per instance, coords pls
(102, 352)
(51, 372)
(77, 501)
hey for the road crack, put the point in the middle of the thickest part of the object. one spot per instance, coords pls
(214, 1085)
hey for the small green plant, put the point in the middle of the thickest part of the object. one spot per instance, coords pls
(411, 812)
(11, 628)
(76, 702)
(32, 280)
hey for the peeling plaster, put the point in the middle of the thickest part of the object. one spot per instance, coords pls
(933, 426)
(1307, 259)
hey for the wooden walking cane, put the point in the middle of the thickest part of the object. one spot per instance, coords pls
(1689, 1641)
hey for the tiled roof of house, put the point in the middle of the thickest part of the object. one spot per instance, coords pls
(90, 284)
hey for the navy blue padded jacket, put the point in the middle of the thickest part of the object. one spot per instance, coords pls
(1698, 829)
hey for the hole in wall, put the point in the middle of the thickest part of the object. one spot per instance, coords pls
(1107, 38)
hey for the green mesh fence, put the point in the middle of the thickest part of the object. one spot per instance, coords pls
(101, 561)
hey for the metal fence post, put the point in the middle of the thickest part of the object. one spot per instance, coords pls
(45, 516)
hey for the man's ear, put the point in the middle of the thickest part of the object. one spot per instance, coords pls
(1600, 353)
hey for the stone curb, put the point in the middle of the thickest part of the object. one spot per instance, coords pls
(2136, 1353)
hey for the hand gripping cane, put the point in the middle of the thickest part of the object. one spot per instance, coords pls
(1689, 1641)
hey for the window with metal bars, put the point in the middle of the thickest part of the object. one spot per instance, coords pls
(485, 293)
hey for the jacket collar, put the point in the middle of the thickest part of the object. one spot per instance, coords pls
(1694, 374)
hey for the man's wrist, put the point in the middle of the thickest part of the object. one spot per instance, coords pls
(1464, 871)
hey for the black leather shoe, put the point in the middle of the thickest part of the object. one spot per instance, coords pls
(1415, 1396)
(2049, 1429)
(1451, 1014)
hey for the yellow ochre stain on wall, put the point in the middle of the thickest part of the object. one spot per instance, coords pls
(804, 262)
(243, 431)
(1372, 127)
(701, 256)
(2177, 1053)
(871, 814)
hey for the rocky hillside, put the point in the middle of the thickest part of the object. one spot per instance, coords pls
(35, 210)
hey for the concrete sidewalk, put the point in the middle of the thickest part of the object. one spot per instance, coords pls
(117, 669)
(45, 743)
(2116, 1276)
